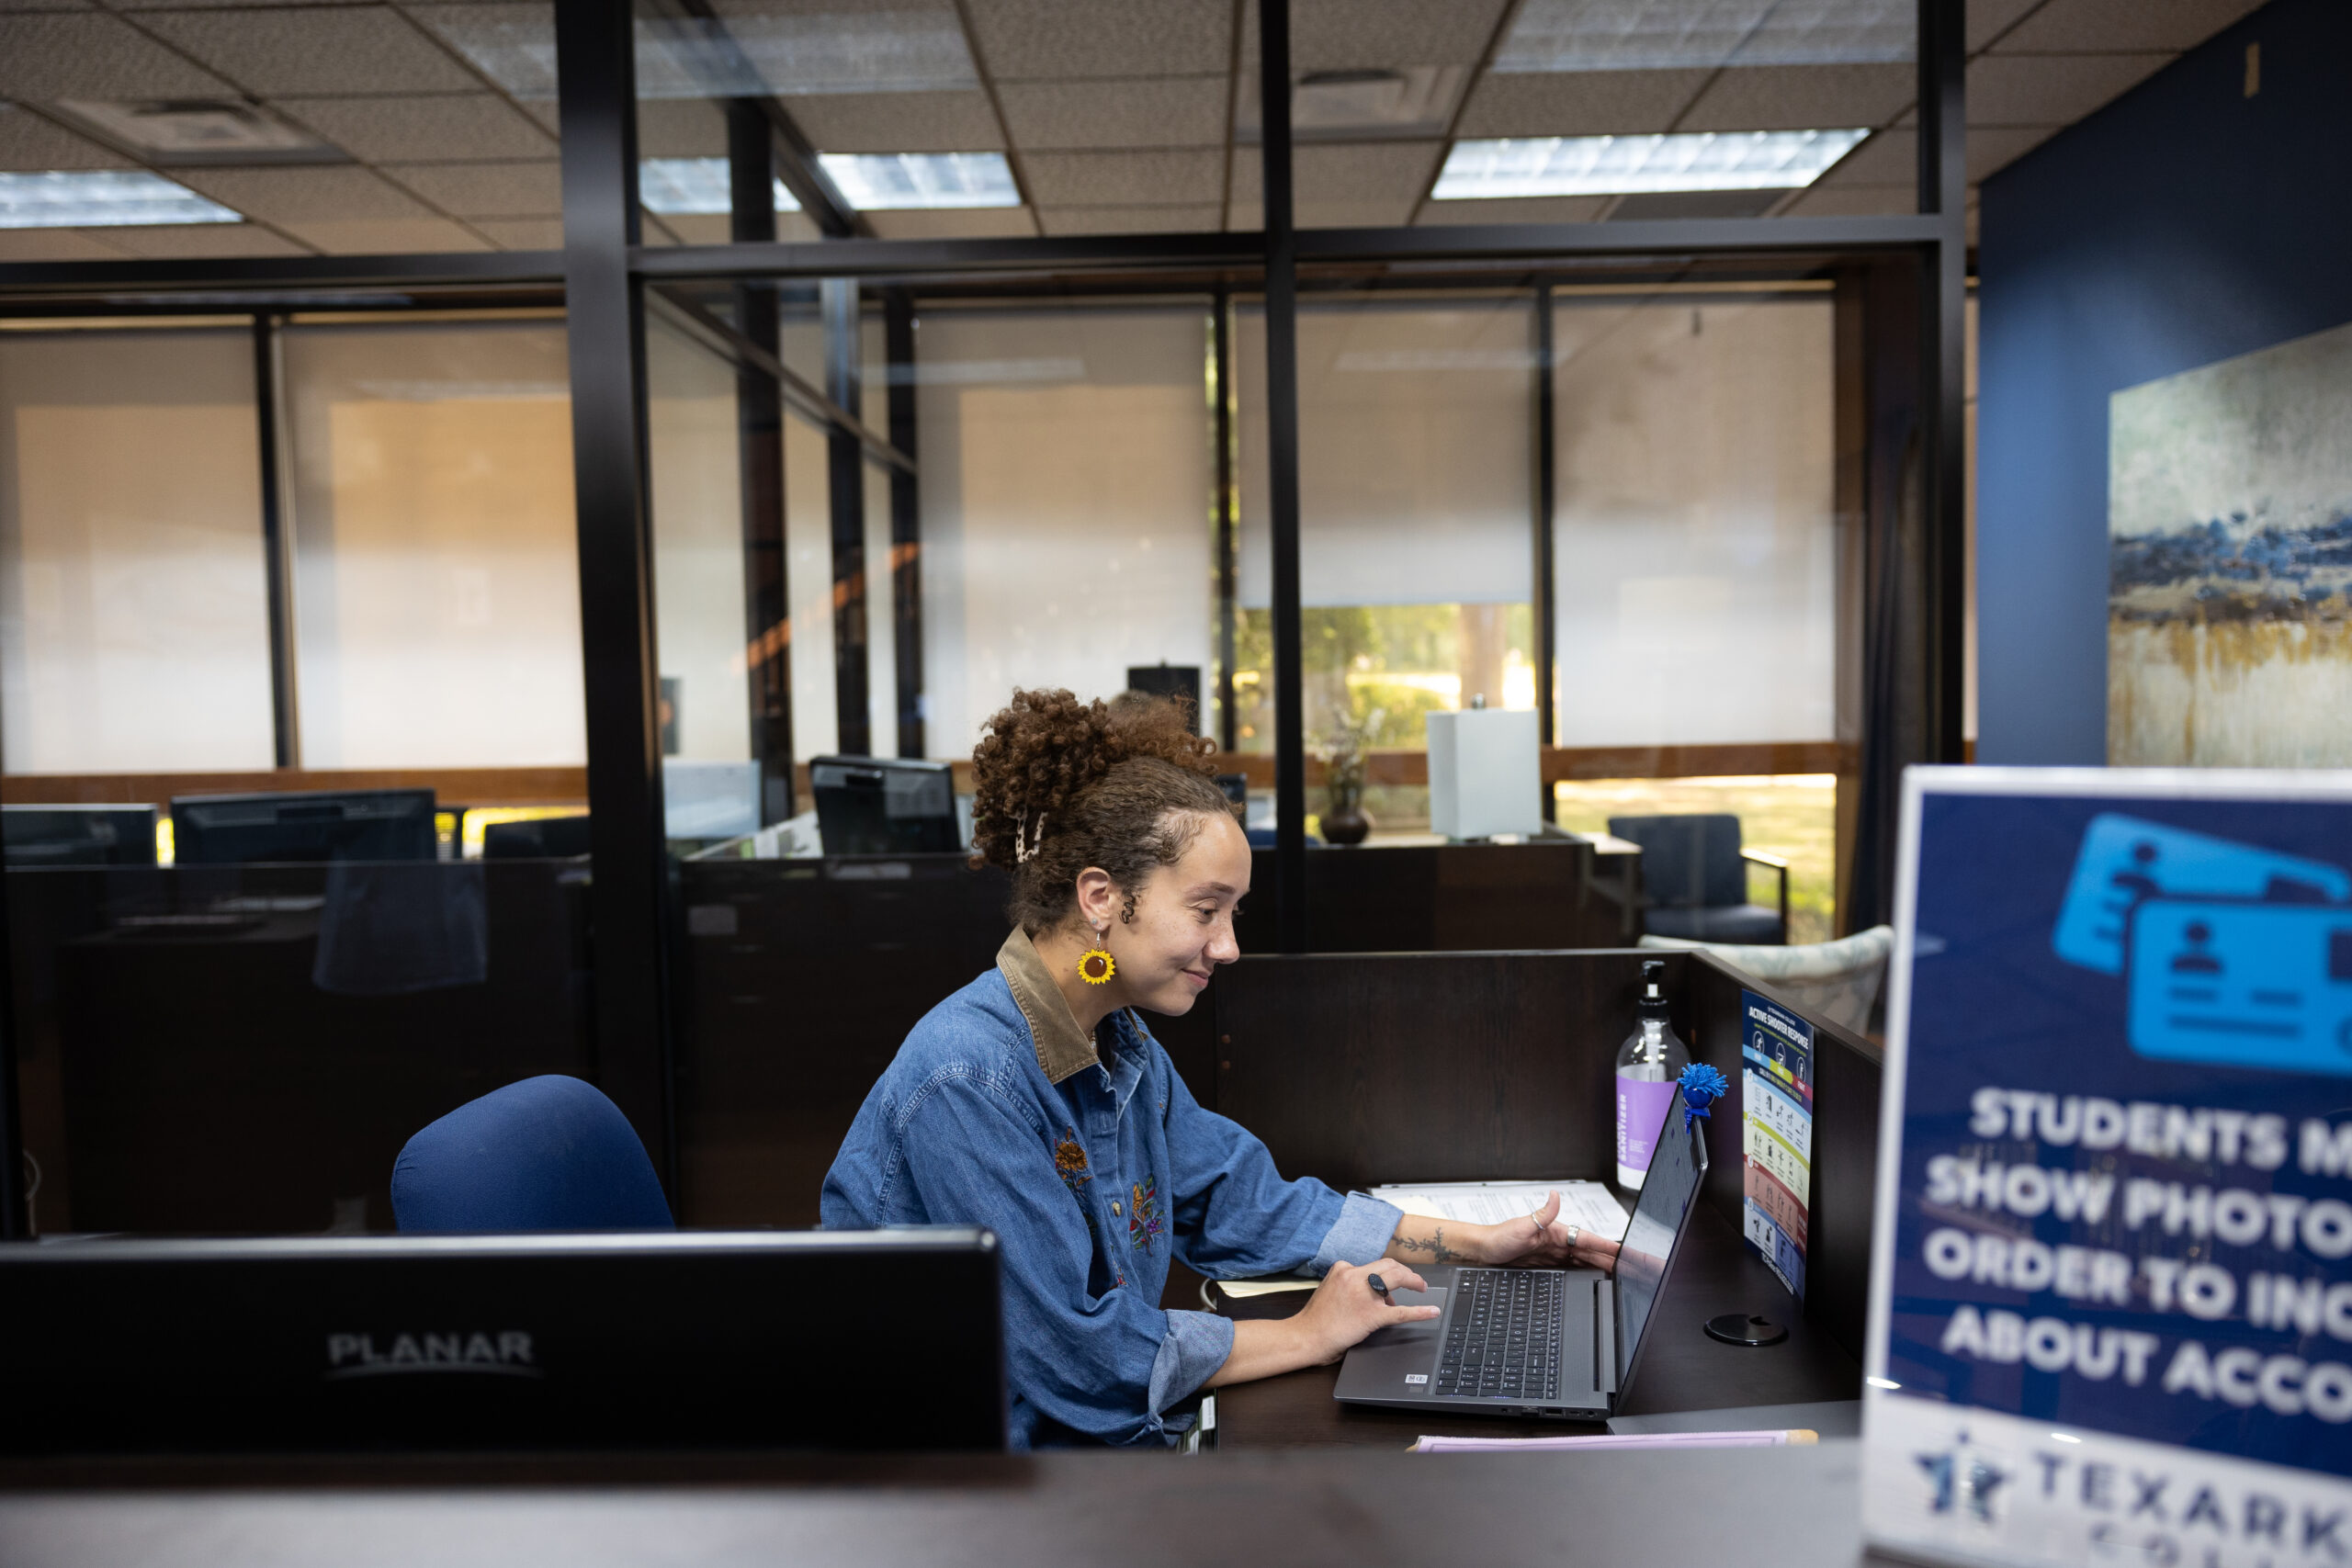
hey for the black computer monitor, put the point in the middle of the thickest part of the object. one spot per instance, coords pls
(814, 1339)
(884, 806)
(1181, 682)
(78, 835)
(536, 837)
(360, 824)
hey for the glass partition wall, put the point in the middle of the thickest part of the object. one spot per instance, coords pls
(906, 359)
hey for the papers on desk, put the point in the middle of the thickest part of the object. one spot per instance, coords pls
(1586, 1204)
(1768, 1439)
(1242, 1289)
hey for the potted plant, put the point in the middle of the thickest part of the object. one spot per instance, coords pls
(1342, 749)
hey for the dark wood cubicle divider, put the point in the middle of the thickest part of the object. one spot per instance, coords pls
(1430, 1066)
(1845, 1079)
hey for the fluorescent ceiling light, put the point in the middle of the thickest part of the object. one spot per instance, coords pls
(1617, 165)
(870, 182)
(884, 182)
(101, 198)
(848, 50)
(1651, 35)
(694, 185)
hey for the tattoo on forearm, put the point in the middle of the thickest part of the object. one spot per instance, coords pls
(1435, 1246)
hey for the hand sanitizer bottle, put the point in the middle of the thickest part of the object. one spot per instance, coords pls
(1648, 1064)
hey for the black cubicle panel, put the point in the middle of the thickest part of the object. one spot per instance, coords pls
(1845, 1079)
(799, 980)
(246, 1048)
(1400, 1067)
(1429, 1067)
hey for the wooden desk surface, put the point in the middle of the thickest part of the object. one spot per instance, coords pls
(1757, 1507)
(1681, 1368)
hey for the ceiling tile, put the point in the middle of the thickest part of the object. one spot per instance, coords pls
(1999, 146)
(1802, 97)
(1854, 201)
(1056, 40)
(1888, 158)
(1364, 171)
(1129, 219)
(174, 240)
(55, 244)
(395, 130)
(7, 7)
(1120, 180)
(712, 228)
(680, 128)
(955, 223)
(29, 141)
(1579, 102)
(527, 233)
(2103, 27)
(305, 195)
(43, 58)
(1358, 35)
(898, 122)
(2051, 89)
(1527, 209)
(486, 190)
(386, 236)
(1988, 19)
(1174, 111)
(342, 49)
(1392, 213)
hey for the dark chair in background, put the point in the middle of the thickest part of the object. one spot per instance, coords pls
(1694, 880)
(546, 1154)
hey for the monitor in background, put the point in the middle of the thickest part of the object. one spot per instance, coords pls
(536, 837)
(235, 830)
(884, 806)
(78, 835)
(1181, 682)
(811, 1339)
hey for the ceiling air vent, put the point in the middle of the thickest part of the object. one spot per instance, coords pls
(1360, 105)
(198, 130)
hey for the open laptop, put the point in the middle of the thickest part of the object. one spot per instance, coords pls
(1562, 1343)
(874, 1340)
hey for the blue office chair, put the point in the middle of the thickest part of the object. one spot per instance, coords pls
(1694, 880)
(546, 1154)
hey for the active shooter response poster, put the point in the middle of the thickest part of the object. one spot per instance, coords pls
(2112, 1293)
(1776, 1134)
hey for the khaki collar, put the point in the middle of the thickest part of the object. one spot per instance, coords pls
(1062, 1047)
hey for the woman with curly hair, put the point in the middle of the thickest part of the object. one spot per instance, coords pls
(1036, 1103)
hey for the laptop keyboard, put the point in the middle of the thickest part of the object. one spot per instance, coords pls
(1503, 1341)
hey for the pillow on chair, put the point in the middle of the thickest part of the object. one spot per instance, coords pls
(546, 1154)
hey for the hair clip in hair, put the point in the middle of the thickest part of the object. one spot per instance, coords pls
(1028, 838)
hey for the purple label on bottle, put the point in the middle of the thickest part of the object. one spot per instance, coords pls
(1641, 1113)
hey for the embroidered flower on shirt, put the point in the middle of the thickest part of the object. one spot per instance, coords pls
(1144, 1218)
(1070, 1159)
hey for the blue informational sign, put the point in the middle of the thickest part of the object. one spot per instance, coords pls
(2112, 1309)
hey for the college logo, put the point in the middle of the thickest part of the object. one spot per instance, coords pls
(508, 1354)
(1960, 1480)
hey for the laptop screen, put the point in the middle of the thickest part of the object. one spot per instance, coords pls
(1659, 1216)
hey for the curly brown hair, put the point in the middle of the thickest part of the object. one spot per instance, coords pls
(1060, 785)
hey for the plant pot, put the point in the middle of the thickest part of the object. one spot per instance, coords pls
(1345, 823)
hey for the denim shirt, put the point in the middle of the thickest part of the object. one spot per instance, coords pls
(1093, 1172)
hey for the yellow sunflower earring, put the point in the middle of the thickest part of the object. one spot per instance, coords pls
(1095, 965)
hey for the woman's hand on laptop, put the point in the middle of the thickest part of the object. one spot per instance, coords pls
(1538, 1241)
(1345, 1308)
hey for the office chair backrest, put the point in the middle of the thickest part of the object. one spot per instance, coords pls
(546, 1154)
(1688, 862)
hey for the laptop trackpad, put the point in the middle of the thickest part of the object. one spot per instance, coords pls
(1396, 1362)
